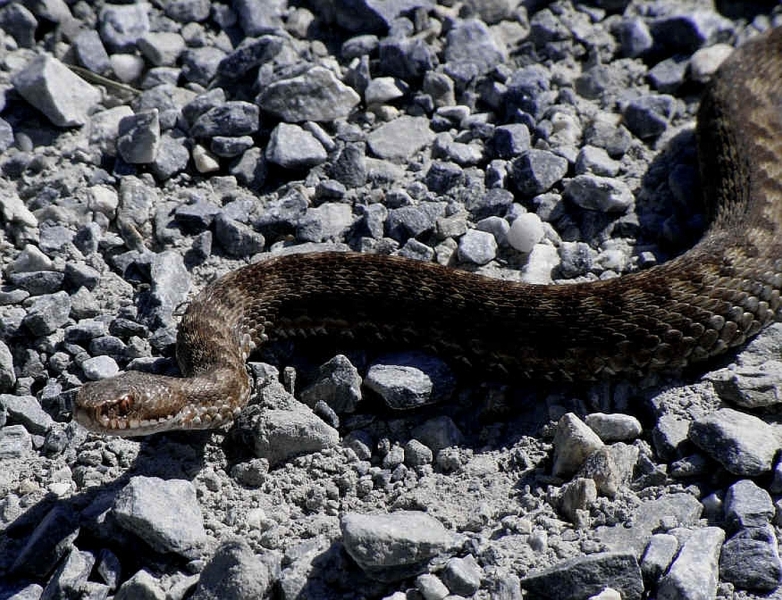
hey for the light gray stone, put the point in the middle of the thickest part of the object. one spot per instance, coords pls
(163, 512)
(61, 95)
(694, 573)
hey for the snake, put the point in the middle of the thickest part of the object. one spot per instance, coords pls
(700, 304)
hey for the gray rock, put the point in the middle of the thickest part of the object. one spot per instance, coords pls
(279, 435)
(236, 238)
(62, 96)
(99, 367)
(509, 141)
(48, 313)
(202, 103)
(575, 259)
(15, 441)
(236, 572)
(743, 444)
(251, 169)
(139, 137)
(338, 384)
(197, 216)
(614, 139)
(443, 176)
(20, 23)
(417, 454)
(401, 138)
(70, 578)
(529, 90)
(373, 15)
(163, 512)
(170, 285)
(440, 87)
(200, 65)
(231, 118)
(38, 283)
(649, 116)
(746, 505)
(27, 411)
(593, 192)
(316, 95)
(162, 48)
(615, 427)
(535, 171)
(401, 387)
(573, 443)
(584, 576)
(122, 25)
(382, 90)
(140, 585)
(393, 546)
(7, 374)
(430, 586)
(687, 31)
(578, 495)
(668, 75)
(51, 539)
(350, 166)
(610, 467)
(257, 18)
(90, 51)
(412, 221)
(438, 433)
(250, 54)
(694, 573)
(750, 560)
(635, 37)
(477, 247)
(592, 159)
(470, 49)
(229, 147)
(171, 158)
(669, 435)
(186, 11)
(359, 45)
(291, 147)
(659, 554)
(749, 386)
(408, 59)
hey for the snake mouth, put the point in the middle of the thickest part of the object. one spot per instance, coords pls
(118, 417)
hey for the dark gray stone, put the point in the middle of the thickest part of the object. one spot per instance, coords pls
(508, 141)
(471, 44)
(236, 238)
(51, 539)
(229, 147)
(235, 572)
(20, 23)
(186, 11)
(231, 118)
(171, 158)
(750, 560)
(536, 171)
(584, 576)
(747, 505)
(528, 90)
(694, 573)
(139, 137)
(668, 75)
(48, 313)
(338, 384)
(250, 54)
(202, 103)
(90, 51)
(649, 116)
(411, 221)
(406, 58)
(200, 65)
(635, 37)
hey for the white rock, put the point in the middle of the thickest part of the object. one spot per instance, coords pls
(127, 67)
(525, 232)
(204, 161)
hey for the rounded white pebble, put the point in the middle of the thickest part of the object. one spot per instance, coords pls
(205, 162)
(526, 231)
(127, 67)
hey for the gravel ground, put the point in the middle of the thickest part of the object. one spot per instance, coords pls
(525, 140)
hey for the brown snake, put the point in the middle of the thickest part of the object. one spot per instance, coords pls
(712, 298)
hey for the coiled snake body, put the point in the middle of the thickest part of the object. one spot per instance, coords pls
(712, 298)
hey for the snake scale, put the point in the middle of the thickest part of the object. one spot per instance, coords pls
(714, 297)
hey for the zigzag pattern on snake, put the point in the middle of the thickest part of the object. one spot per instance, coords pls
(712, 298)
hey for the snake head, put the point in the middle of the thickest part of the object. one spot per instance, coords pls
(133, 403)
